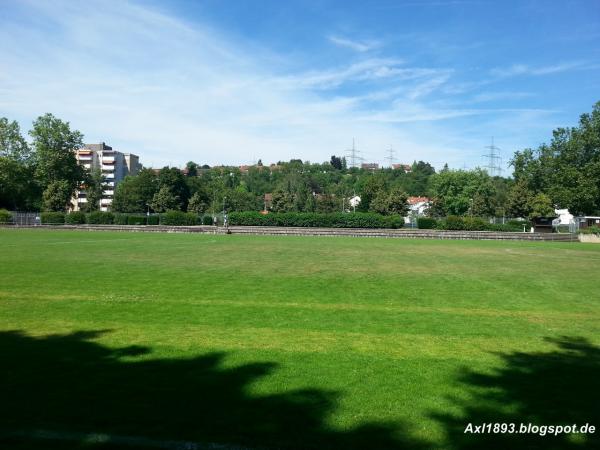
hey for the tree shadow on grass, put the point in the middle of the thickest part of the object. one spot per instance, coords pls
(558, 387)
(71, 384)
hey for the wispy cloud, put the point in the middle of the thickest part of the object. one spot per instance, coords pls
(524, 69)
(154, 84)
(368, 70)
(356, 45)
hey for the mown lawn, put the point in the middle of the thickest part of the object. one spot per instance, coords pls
(291, 342)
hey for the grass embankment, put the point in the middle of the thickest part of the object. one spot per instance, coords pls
(297, 342)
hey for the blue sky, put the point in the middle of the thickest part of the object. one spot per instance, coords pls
(234, 81)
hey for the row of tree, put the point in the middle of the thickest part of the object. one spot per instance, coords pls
(565, 174)
(45, 173)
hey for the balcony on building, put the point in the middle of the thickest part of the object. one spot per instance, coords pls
(108, 159)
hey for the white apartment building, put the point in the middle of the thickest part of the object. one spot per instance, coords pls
(114, 166)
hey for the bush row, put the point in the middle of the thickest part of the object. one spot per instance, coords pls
(335, 220)
(467, 224)
(108, 218)
(5, 216)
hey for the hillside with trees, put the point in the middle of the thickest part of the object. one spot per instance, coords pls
(44, 174)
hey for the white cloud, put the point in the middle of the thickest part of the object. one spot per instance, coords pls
(358, 46)
(524, 69)
(149, 83)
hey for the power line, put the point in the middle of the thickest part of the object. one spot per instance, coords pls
(494, 165)
(391, 156)
(353, 154)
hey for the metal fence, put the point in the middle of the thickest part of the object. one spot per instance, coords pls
(26, 218)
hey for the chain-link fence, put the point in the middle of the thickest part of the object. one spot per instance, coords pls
(26, 218)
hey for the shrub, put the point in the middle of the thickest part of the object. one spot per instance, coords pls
(136, 219)
(334, 220)
(175, 218)
(153, 220)
(191, 219)
(207, 220)
(452, 223)
(475, 224)
(505, 227)
(75, 218)
(121, 219)
(52, 218)
(5, 216)
(426, 223)
(590, 230)
(100, 217)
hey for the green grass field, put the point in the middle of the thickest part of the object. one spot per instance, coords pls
(291, 342)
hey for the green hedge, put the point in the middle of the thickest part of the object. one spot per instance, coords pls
(136, 219)
(335, 220)
(5, 216)
(153, 220)
(75, 218)
(426, 223)
(179, 218)
(53, 218)
(120, 219)
(100, 218)
(207, 220)
(457, 223)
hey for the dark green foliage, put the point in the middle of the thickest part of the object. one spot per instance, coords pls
(100, 218)
(426, 223)
(452, 223)
(136, 219)
(153, 219)
(120, 219)
(93, 189)
(568, 169)
(179, 218)
(511, 225)
(590, 230)
(165, 200)
(207, 220)
(134, 194)
(335, 220)
(55, 163)
(462, 192)
(75, 218)
(53, 217)
(456, 223)
(57, 195)
(5, 216)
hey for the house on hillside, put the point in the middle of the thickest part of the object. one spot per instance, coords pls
(417, 207)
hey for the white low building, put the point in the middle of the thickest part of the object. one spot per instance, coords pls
(564, 216)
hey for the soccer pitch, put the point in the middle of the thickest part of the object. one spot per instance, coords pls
(295, 342)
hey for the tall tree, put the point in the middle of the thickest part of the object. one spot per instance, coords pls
(134, 194)
(165, 200)
(192, 169)
(457, 192)
(567, 169)
(55, 163)
(57, 196)
(12, 143)
(17, 187)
